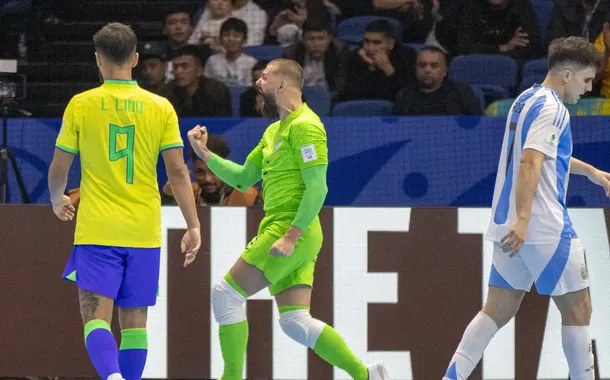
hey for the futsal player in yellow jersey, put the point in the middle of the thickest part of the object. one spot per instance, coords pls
(119, 130)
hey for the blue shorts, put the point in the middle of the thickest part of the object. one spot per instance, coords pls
(130, 276)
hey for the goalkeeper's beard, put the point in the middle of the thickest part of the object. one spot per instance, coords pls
(270, 109)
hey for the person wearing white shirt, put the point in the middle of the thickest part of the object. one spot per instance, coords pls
(256, 19)
(207, 30)
(233, 67)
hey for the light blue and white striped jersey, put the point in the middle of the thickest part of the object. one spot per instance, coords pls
(537, 120)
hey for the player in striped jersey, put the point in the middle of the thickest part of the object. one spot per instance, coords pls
(534, 240)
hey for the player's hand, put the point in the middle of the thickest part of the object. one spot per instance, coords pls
(63, 208)
(514, 239)
(603, 179)
(191, 241)
(198, 137)
(284, 247)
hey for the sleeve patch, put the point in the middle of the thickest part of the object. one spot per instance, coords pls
(552, 137)
(308, 152)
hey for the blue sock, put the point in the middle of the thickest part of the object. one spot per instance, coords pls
(102, 348)
(132, 355)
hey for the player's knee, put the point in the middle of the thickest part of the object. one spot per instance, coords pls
(579, 312)
(301, 327)
(227, 303)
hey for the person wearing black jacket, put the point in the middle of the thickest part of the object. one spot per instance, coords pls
(581, 18)
(507, 27)
(434, 93)
(379, 68)
(319, 54)
(193, 94)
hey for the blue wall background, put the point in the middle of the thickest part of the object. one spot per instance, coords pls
(415, 161)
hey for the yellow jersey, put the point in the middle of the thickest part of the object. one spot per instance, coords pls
(119, 129)
(601, 46)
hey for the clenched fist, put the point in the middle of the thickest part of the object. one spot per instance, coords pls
(198, 137)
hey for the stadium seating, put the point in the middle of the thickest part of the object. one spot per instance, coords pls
(264, 52)
(318, 99)
(534, 71)
(480, 95)
(352, 29)
(363, 107)
(235, 98)
(543, 10)
(495, 74)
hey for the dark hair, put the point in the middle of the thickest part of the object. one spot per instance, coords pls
(177, 9)
(260, 65)
(316, 25)
(217, 145)
(236, 25)
(117, 42)
(381, 26)
(576, 51)
(191, 50)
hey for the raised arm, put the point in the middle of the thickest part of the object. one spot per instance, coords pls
(238, 176)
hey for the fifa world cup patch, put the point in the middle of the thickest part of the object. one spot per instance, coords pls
(308, 152)
(552, 138)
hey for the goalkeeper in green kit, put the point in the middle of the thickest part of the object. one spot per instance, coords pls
(291, 158)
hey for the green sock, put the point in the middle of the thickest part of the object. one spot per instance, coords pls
(332, 348)
(233, 344)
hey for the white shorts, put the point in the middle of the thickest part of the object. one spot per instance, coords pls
(557, 268)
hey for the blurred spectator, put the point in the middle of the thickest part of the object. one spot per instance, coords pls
(233, 67)
(153, 62)
(377, 70)
(319, 54)
(497, 27)
(583, 18)
(193, 94)
(602, 43)
(211, 190)
(288, 19)
(434, 93)
(414, 15)
(207, 30)
(255, 17)
(251, 100)
(178, 28)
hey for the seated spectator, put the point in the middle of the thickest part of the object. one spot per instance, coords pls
(207, 30)
(582, 18)
(178, 28)
(379, 69)
(251, 100)
(153, 66)
(414, 15)
(434, 93)
(232, 67)
(193, 94)
(319, 54)
(602, 43)
(255, 17)
(507, 27)
(288, 19)
(211, 190)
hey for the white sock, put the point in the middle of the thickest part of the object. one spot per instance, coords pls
(115, 376)
(577, 348)
(477, 336)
